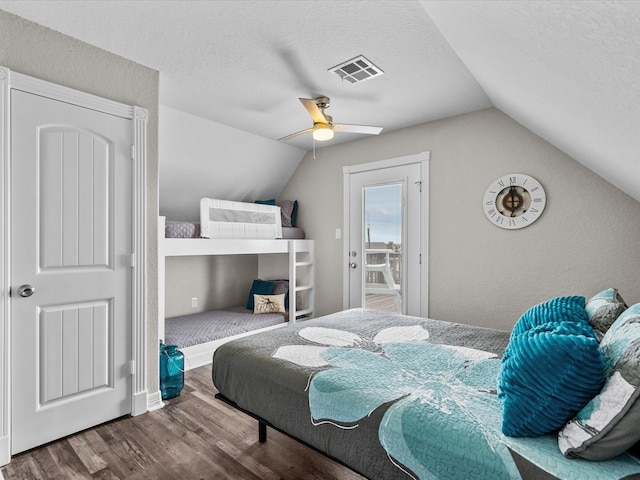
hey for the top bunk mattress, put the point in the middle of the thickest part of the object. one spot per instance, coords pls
(182, 229)
(192, 230)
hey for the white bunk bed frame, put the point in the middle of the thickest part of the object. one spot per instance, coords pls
(299, 269)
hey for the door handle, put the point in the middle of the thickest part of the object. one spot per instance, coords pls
(26, 290)
(353, 265)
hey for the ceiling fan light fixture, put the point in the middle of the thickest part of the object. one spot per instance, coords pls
(322, 132)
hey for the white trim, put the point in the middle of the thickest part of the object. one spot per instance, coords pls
(154, 401)
(13, 80)
(387, 163)
(139, 271)
(422, 158)
(5, 332)
(29, 84)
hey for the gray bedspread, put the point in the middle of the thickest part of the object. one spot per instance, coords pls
(187, 330)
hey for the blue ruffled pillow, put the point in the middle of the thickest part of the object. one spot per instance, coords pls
(551, 368)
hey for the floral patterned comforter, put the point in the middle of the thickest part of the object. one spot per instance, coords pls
(392, 396)
(389, 395)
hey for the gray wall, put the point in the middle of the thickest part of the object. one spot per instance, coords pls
(219, 281)
(585, 241)
(37, 51)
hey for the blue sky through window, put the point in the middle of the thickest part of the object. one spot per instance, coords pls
(383, 213)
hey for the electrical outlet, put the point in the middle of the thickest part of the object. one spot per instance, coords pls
(194, 302)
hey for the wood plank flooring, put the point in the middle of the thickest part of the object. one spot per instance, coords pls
(194, 436)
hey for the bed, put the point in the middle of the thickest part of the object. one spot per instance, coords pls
(393, 397)
(237, 228)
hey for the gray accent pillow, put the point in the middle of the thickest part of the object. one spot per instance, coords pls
(282, 286)
(286, 210)
(608, 424)
(603, 309)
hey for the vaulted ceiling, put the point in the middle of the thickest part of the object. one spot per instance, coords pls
(567, 70)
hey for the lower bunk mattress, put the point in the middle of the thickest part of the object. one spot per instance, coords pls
(393, 397)
(196, 328)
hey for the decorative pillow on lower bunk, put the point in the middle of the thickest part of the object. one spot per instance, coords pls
(609, 424)
(260, 287)
(268, 303)
(282, 286)
(551, 368)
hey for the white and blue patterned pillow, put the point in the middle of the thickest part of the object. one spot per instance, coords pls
(610, 423)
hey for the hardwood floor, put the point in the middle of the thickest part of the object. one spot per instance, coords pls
(194, 436)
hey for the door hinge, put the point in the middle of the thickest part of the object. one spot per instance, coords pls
(133, 260)
(419, 183)
(133, 367)
(420, 259)
(133, 152)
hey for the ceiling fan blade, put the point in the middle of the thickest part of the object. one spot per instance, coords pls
(284, 139)
(366, 129)
(313, 110)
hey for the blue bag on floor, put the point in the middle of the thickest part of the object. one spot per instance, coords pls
(171, 371)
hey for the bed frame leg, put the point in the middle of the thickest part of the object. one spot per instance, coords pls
(262, 432)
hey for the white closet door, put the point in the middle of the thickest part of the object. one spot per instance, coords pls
(71, 241)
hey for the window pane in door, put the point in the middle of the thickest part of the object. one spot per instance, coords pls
(382, 244)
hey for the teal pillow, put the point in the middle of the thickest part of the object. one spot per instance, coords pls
(551, 368)
(259, 287)
(271, 201)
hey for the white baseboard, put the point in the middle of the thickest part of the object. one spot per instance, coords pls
(5, 451)
(154, 401)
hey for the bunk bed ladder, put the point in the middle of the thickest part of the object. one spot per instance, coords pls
(301, 280)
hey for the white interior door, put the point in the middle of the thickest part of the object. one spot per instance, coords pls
(71, 184)
(385, 239)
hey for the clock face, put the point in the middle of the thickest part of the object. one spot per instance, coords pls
(514, 201)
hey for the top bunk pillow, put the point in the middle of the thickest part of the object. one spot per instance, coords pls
(288, 210)
(608, 424)
(551, 368)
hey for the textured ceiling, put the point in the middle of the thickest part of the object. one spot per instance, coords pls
(567, 70)
(564, 69)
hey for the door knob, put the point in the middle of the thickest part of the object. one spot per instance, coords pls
(353, 264)
(26, 290)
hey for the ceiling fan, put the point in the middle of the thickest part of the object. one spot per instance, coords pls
(323, 126)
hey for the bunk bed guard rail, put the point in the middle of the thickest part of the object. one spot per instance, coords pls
(229, 219)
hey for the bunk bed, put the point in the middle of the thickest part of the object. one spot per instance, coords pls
(231, 232)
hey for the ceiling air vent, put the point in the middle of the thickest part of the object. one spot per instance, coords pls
(357, 70)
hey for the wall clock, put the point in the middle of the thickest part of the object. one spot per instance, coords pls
(514, 201)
